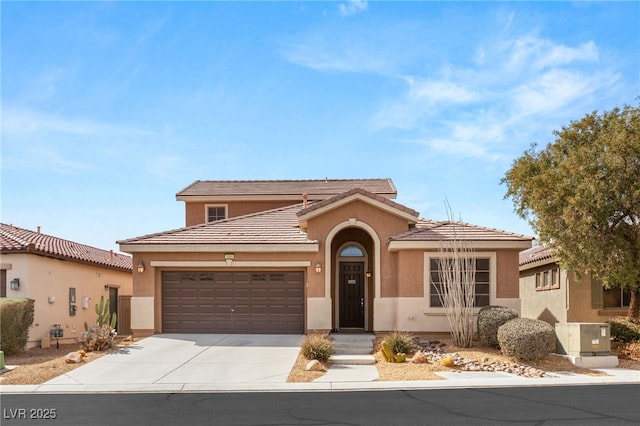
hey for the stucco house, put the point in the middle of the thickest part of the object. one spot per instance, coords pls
(553, 294)
(293, 256)
(66, 280)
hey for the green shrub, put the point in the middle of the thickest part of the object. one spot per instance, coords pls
(16, 316)
(317, 346)
(624, 330)
(527, 339)
(490, 318)
(400, 343)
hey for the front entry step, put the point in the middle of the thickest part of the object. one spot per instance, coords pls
(353, 349)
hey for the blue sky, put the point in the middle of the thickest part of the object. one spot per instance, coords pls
(109, 109)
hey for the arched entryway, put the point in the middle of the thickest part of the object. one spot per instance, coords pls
(352, 251)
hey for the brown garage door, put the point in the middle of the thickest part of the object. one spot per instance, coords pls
(233, 302)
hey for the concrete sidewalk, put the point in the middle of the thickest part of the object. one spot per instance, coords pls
(247, 363)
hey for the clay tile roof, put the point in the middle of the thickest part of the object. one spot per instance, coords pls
(429, 230)
(19, 240)
(361, 191)
(316, 187)
(535, 254)
(277, 226)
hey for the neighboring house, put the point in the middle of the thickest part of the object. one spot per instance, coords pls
(66, 280)
(553, 294)
(307, 255)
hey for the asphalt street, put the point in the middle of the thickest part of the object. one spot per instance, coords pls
(549, 405)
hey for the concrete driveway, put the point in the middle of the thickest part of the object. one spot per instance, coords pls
(173, 361)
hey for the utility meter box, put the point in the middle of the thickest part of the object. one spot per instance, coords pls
(583, 339)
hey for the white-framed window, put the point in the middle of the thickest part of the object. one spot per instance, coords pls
(215, 212)
(485, 279)
(548, 279)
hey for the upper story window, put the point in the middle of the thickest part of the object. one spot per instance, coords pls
(216, 213)
(548, 280)
(351, 251)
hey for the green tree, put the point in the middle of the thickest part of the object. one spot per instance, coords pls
(581, 194)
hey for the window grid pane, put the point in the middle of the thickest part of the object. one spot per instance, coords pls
(482, 282)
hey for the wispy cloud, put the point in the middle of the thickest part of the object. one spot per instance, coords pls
(513, 87)
(23, 122)
(35, 140)
(351, 7)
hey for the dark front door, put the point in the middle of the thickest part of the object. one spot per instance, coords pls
(352, 294)
(113, 304)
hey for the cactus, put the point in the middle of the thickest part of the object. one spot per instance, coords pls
(389, 356)
(100, 336)
(104, 317)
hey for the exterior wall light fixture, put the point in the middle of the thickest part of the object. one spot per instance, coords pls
(318, 268)
(141, 267)
(369, 274)
(15, 284)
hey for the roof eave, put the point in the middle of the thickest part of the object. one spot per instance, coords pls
(410, 217)
(474, 244)
(311, 247)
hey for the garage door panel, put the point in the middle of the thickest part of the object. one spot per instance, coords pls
(233, 302)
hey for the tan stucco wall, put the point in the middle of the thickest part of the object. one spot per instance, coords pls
(411, 270)
(579, 302)
(572, 302)
(546, 305)
(41, 277)
(508, 287)
(384, 224)
(195, 212)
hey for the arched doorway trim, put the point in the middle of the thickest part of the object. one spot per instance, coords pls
(330, 273)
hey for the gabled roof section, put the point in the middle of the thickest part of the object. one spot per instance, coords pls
(19, 240)
(271, 230)
(429, 234)
(536, 256)
(320, 207)
(257, 190)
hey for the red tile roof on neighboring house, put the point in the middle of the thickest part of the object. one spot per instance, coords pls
(347, 194)
(536, 254)
(429, 230)
(277, 226)
(19, 240)
(315, 189)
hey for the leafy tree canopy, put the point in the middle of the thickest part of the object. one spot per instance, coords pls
(581, 194)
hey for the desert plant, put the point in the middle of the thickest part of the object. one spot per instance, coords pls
(317, 346)
(527, 339)
(391, 356)
(624, 330)
(490, 318)
(97, 338)
(16, 316)
(102, 335)
(400, 342)
(456, 285)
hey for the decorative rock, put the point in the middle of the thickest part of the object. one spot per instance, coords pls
(73, 358)
(447, 362)
(419, 358)
(314, 365)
